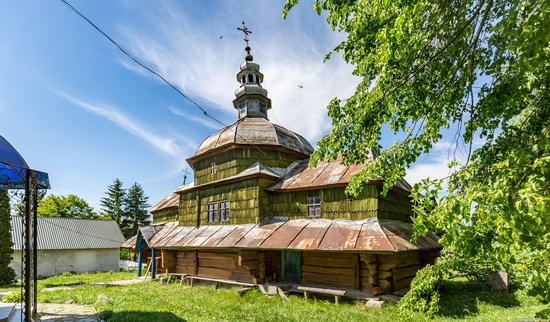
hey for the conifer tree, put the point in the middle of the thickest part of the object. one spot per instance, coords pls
(113, 202)
(7, 274)
(135, 210)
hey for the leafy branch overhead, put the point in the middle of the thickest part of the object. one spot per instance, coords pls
(481, 67)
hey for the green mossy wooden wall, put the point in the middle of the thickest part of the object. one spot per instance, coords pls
(233, 162)
(335, 204)
(243, 197)
(165, 215)
(395, 206)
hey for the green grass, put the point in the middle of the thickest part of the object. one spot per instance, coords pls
(150, 301)
(75, 279)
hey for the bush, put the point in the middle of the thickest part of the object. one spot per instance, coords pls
(7, 274)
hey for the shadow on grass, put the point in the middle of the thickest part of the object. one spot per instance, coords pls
(460, 298)
(136, 316)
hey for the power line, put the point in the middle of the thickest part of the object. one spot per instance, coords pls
(149, 69)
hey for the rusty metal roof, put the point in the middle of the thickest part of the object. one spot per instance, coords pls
(257, 169)
(367, 235)
(169, 202)
(257, 131)
(301, 176)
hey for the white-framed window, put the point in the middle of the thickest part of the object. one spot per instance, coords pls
(224, 211)
(314, 206)
(213, 168)
(213, 212)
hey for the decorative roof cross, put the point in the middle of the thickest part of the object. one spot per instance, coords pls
(246, 32)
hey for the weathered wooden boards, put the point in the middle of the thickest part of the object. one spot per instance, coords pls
(331, 269)
(230, 265)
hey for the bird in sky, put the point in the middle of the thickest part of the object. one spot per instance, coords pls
(301, 86)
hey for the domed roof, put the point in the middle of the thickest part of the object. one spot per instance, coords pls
(257, 131)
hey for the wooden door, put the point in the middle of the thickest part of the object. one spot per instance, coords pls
(291, 266)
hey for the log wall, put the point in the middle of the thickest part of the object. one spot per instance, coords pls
(331, 269)
(226, 265)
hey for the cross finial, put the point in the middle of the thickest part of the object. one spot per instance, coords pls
(246, 32)
(185, 173)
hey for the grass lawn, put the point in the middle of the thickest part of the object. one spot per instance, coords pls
(151, 301)
(75, 279)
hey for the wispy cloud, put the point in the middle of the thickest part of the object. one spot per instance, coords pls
(162, 143)
(204, 66)
(202, 120)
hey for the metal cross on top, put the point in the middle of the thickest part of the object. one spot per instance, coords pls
(246, 32)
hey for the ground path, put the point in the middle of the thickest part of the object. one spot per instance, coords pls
(104, 284)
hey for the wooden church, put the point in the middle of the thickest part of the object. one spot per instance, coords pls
(258, 213)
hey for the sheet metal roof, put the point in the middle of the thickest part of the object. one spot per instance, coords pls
(258, 131)
(70, 233)
(301, 176)
(371, 235)
(169, 202)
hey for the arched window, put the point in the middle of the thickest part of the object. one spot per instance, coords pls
(250, 78)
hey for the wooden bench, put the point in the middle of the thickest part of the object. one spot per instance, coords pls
(325, 291)
(217, 281)
(169, 276)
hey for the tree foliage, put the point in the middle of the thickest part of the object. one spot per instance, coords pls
(112, 203)
(481, 67)
(135, 210)
(7, 275)
(70, 206)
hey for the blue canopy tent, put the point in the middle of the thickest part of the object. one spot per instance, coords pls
(15, 174)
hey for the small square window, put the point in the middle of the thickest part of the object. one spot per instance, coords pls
(314, 206)
(213, 212)
(224, 211)
(213, 168)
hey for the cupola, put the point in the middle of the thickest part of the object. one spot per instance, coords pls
(251, 98)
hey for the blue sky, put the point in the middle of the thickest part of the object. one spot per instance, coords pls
(76, 107)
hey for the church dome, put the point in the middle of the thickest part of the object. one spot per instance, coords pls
(255, 131)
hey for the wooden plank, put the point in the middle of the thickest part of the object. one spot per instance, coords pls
(345, 280)
(219, 273)
(403, 283)
(217, 263)
(356, 273)
(328, 270)
(328, 262)
(248, 255)
(328, 254)
(250, 264)
(321, 290)
(196, 262)
(218, 255)
(404, 272)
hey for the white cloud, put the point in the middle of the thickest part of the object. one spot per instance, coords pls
(192, 55)
(165, 144)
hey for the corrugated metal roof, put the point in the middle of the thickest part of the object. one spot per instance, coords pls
(70, 233)
(301, 176)
(370, 235)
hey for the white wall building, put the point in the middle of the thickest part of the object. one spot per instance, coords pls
(71, 245)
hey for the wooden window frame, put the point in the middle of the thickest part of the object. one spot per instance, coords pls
(213, 212)
(225, 211)
(314, 207)
(213, 168)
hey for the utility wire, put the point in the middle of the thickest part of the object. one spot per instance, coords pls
(149, 69)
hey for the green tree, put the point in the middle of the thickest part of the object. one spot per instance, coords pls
(112, 203)
(7, 274)
(481, 67)
(135, 210)
(70, 206)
